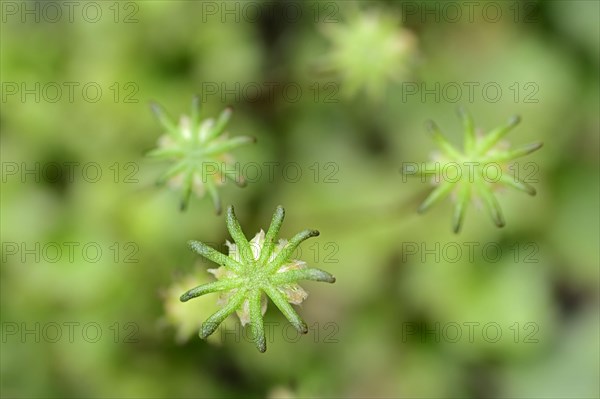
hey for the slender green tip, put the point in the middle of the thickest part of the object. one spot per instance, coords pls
(422, 208)
(230, 214)
(156, 109)
(186, 195)
(207, 329)
(534, 147)
(430, 126)
(197, 246)
(279, 214)
(261, 346)
(218, 209)
(456, 224)
(261, 343)
(225, 116)
(196, 101)
(313, 233)
(302, 328)
(514, 120)
(185, 297)
(160, 114)
(499, 220)
(456, 227)
(321, 275)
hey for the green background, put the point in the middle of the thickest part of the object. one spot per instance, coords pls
(387, 327)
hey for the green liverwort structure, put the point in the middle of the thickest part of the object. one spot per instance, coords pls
(480, 167)
(254, 270)
(199, 151)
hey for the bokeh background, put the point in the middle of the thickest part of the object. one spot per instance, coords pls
(398, 321)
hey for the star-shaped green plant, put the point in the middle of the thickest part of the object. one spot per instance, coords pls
(252, 270)
(199, 150)
(369, 49)
(475, 172)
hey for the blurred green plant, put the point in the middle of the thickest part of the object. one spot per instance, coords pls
(200, 152)
(369, 50)
(481, 167)
(255, 268)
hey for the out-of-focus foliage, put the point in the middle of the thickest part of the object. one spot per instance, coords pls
(528, 292)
